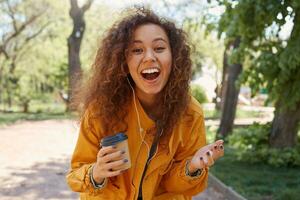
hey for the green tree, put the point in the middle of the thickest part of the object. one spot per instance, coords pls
(232, 67)
(18, 29)
(41, 68)
(275, 62)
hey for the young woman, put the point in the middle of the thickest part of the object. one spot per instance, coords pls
(139, 85)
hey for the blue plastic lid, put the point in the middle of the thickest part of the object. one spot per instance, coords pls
(114, 139)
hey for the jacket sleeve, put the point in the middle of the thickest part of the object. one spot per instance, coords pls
(176, 180)
(84, 156)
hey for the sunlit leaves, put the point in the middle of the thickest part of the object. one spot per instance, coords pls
(275, 61)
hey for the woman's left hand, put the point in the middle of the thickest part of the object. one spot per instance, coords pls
(206, 156)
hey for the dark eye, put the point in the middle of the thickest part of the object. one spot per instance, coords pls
(137, 51)
(160, 49)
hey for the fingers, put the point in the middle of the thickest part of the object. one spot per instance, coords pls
(219, 142)
(111, 169)
(219, 152)
(110, 162)
(217, 148)
(112, 157)
(113, 173)
(201, 163)
(207, 155)
(115, 165)
(206, 160)
(216, 144)
(106, 150)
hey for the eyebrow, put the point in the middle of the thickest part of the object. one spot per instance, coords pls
(156, 39)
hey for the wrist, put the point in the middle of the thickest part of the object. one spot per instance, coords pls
(194, 173)
(97, 183)
(97, 179)
(191, 168)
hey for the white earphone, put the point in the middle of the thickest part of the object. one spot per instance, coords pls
(140, 127)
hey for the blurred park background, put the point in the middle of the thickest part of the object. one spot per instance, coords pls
(246, 59)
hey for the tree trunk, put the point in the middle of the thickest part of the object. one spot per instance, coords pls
(285, 127)
(286, 120)
(217, 99)
(26, 106)
(9, 100)
(230, 98)
(224, 83)
(74, 43)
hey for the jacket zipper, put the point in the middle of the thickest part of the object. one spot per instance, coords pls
(152, 150)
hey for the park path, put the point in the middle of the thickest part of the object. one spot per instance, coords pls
(34, 157)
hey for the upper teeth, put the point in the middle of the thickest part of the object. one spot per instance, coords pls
(149, 71)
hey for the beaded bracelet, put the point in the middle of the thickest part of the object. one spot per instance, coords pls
(96, 185)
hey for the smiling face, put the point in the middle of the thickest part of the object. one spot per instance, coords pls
(149, 60)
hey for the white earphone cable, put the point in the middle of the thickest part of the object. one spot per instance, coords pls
(138, 118)
(140, 127)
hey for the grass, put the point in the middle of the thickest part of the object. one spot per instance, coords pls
(256, 181)
(38, 111)
(214, 114)
(13, 117)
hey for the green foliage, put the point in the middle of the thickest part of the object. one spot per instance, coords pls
(240, 113)
(273, 60)
(251, 145)
(210, 134)
(205, 48)
(199, 93)
(33, 53)
(257, 181)
(288, 194)
(41, 65)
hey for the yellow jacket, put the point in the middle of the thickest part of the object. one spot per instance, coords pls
(165, 177)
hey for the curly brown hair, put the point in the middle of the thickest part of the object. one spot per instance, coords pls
(107, 89)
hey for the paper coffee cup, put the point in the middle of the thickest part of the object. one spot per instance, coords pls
(120, 141)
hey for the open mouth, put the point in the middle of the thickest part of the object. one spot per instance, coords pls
(150, 74)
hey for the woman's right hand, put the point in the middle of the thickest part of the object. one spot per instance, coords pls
(108, 159)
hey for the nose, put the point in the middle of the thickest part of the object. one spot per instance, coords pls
(149, 56)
